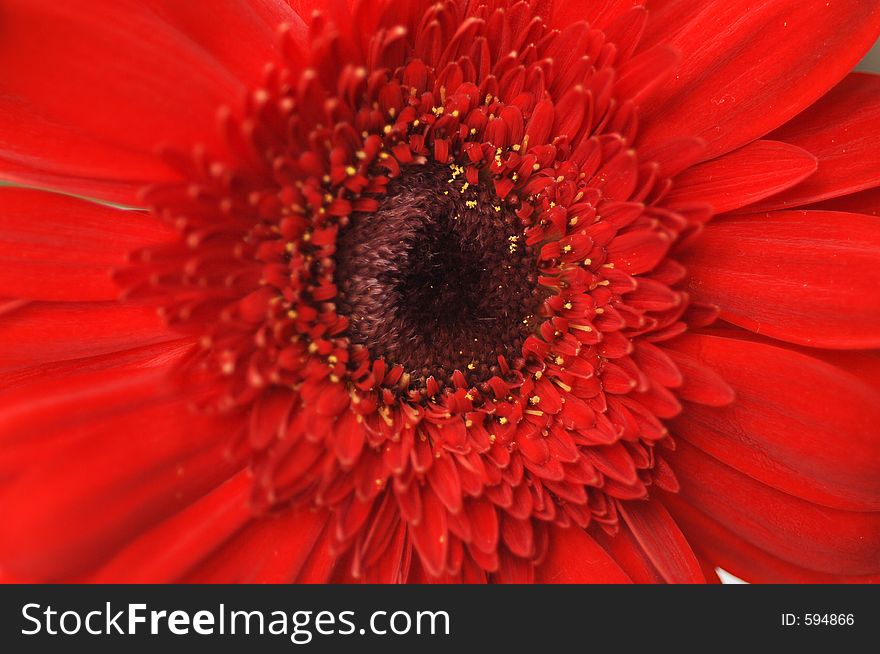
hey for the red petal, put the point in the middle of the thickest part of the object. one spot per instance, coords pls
(271, 549)
(574, 557)
(168, 551)
(638, 251)
(243, 36)
(38, 151)
(799, 532)
(748, 67)
(701, 384)
(484, 524)
(798, 424)
(866, 202)
(730, 552)
(444, 479)
(42, 333)
(662, 541)
(598, 13)
(625, 549)
(54, 247)
(138, 358)
(115, 71)
(808, 277)
(429, 534)
(517, 535)
(841, 131)
(107, 461)
(746, 175)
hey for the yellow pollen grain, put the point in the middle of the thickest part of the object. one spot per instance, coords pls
(502, 420)
(334, 379)
(568, 305)
(567, 249)
(313, 348)
(471, 366)
(559, 361)
(491, 438)
(534, 399)
(332, 358)
(386, 129)
(599, 310)
(292, 314)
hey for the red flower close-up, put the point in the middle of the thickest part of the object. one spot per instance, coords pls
(439, 291)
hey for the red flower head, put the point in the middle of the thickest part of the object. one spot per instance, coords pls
(429, 291)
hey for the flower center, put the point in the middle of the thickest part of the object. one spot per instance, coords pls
(439, 278)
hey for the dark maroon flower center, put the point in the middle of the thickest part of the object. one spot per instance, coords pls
(438, 279)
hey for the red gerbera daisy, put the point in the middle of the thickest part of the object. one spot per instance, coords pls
(428, 291)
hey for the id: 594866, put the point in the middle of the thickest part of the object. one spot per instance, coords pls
(818, 619)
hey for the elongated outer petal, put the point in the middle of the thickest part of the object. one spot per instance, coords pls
(748, 67)
(800, 532)
(109, 73)
(111, 454)
(662, 541)
(54, 247)
(598, 13)
(798, 424)
(44, 332)
(748, 562)
(268, 549)
(166, 552)
(807, 277)
(866, 202)
(841, 131)
(751, 173)
(574, 557)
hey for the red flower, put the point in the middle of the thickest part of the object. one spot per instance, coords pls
(420, 290)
